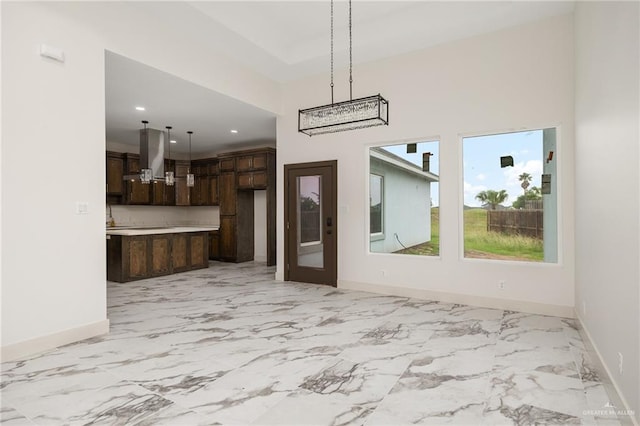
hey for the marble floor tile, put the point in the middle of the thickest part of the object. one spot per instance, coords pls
(229, 345)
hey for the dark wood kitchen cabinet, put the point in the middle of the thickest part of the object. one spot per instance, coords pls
(240, 174)
(205, 188)
(115, 175)
(182, 191)
(136, 191)
(160, 246)
(162, 194)
(179, 253)
(214, 245)
(137, 257)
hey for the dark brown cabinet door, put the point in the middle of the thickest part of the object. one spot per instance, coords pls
(115, 173)
(202, 189)
(158, 193)
(227, 164)
(199, 248)
(259, 162)
(137, 257)
(259, 180)
(138, 193)
(182, 191)
(213, 198)
(228, 238)
(214, 245)
(179, 253)
(160, 254)
(227, 193)
(245, 180)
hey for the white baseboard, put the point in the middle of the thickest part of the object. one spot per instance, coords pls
(259, 258)
(463, 299)
(41, 344)
(613, 390)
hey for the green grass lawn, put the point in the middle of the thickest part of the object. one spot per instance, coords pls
(479, 243)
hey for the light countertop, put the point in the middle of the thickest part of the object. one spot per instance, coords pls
(150, 230)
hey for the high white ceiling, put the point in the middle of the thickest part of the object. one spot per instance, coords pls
(171, 101)
(285, 40)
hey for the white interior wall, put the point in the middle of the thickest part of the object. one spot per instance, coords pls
(54, 124)
(520, 78)
(260, 226)
(607, 195)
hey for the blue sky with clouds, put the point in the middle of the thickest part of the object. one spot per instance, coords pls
(481, 160)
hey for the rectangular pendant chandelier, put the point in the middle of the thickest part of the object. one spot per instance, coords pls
(348, 115)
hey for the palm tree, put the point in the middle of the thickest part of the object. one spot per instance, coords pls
(525, 178)
(492, 198)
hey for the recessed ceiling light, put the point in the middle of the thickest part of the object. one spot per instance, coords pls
(234, 131)
(140, 108)
(174, 142)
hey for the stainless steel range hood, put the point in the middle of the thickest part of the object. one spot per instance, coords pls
(151, 154)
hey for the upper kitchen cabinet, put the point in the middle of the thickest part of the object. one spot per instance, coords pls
(115, 174)
(183, 192)
(164, 195)
(136, 191)
(253, 168)
(205, 188)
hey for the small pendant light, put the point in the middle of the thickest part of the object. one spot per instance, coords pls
(146, 175)
(169, 178)
(190, 178)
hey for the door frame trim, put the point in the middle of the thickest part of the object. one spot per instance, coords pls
(333, 164)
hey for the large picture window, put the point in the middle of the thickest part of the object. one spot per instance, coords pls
(510, 196)
(403, 199)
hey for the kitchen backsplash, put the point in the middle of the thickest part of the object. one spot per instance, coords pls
(164, 215)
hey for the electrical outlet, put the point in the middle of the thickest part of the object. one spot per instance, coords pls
(620, 362)
(383, 272)
(501, 284)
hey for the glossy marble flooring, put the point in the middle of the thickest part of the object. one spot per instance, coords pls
(230, 346)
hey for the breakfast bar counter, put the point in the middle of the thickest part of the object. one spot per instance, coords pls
(135, 253)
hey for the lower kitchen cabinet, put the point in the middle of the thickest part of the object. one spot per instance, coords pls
(214, 245)
(199, 247)
(228, 238)
(179, 253)
(138, 257)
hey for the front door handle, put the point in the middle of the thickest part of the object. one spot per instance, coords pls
(329, 222)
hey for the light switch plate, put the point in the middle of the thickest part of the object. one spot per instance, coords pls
(82, 207)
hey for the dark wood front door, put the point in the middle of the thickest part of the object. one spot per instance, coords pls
(311, 247)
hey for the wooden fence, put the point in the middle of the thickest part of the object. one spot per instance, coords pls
(515, 222)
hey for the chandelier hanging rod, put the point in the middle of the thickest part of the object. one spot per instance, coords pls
(348, 115)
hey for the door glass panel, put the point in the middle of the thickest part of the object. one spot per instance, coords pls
(309, 212)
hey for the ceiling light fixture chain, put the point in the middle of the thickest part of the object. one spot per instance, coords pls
(348, 115)
(332, 52)
(190, 177)
(350, 56)
(169, 176)
(146, 174)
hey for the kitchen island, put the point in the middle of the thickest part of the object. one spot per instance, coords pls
(136, 253)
